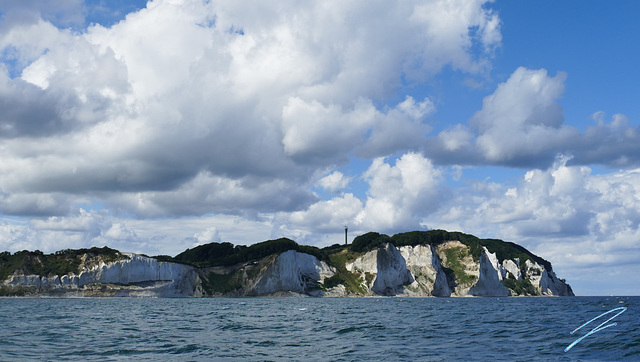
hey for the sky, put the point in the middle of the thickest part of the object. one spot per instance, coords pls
(153, 127)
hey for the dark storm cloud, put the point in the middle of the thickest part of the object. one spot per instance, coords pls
(28, 111)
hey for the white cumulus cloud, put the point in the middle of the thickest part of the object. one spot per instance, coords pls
(521, 124)
(248, 98)
(334, 181)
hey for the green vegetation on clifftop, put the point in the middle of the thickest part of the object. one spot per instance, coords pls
(59, 263)
(226, 254)
(369, 241)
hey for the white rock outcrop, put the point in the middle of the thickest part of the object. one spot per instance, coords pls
(295, 272)
(545, 282)
(513, 267)
(490, 279)
(392, 274)
(135, 276)
(429, 279)
(383, 270)
(419, 271)
(368, 263)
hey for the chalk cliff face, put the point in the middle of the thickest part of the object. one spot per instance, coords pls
(135, 276)
(429, 278)
(545, 282)
(448, 270)
(444, 269)
(389, 267)
(292, 271)
(458, 265)
(288, 273)
(490, 281)
(513, 267)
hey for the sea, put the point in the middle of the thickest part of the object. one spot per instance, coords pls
(320, 329)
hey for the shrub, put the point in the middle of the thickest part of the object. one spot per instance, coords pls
(369, 241)
(520, 287)
(221, 283)
(334, 281)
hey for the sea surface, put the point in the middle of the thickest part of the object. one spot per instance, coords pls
(329, 329)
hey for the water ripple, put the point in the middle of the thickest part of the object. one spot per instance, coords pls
(343, 329)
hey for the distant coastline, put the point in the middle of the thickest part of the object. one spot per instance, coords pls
(434, 263)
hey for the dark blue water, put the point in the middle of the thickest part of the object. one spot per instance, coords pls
(345, 329)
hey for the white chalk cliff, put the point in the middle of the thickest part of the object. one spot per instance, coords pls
(545, 282)
(135, 275)
(420, 271)
(292, 271)
(389, 267)
(490, 281)
(447, 269)
(429, 278)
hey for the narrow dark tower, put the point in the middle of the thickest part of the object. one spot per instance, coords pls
(345, 234)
